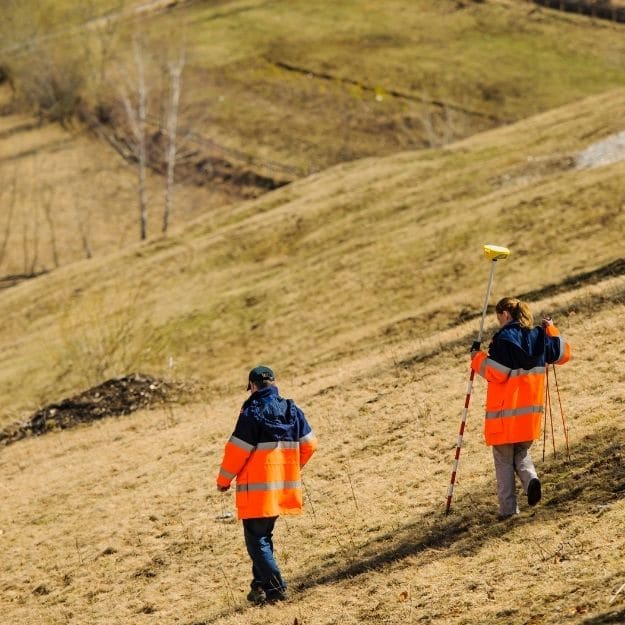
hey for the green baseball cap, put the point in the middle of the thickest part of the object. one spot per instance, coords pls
(258, 375)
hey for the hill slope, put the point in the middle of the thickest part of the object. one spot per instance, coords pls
(273, 91)
(361, 286)
(369, 253)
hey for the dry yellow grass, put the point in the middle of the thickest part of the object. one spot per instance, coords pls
(378, 250)
(114, 523)
(364, 78)
(360, 285)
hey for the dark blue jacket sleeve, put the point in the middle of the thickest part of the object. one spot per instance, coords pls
(552, 349)
(303, 425)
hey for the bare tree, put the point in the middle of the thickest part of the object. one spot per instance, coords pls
(175, 81)
(137, 119)
(84, 237)
(82, 221)
(48, 195)
(35, 256)
(30, 240)
(106, 31)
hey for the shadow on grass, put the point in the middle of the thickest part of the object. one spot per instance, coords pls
(606, 618)
(567, 284)
(459, 346)
(605, 272)
(594, 478)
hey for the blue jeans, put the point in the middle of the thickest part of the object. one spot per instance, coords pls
(259, 543)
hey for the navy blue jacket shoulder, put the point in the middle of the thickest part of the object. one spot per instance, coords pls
(521, 348)
(267, 417)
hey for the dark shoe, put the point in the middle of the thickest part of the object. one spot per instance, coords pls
(256, 596)
(276, 595)
(533, 492)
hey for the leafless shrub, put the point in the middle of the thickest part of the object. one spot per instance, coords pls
(52, 85)
(100, 339)
(439, 125)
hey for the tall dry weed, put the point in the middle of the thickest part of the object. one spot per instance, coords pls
(103, 338)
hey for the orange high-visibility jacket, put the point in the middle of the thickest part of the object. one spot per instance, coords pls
(515, 371)
(270, 444)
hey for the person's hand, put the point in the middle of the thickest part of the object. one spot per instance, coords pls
(222, 489)
(546, 322)
(475, 348)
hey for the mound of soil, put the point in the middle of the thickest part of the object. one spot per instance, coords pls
(116, 397)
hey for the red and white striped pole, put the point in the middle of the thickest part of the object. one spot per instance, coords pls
(493, 253)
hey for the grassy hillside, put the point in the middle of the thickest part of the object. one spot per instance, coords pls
(361, 283)
(313, 84)
(361, 286)
(272, 91)
(369, 253)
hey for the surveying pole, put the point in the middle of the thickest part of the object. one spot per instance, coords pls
(492, 253)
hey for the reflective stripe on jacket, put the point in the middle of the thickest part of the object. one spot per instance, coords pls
(515, 371)
(270, 444)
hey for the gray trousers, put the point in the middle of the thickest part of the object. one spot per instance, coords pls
(511, 459)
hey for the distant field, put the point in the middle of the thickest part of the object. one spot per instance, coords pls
(273, 92)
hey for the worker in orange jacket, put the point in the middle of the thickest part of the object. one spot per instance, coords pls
(271, 442)
(515, 371)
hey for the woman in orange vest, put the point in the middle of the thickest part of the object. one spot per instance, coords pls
(270, 444)
(515, 371)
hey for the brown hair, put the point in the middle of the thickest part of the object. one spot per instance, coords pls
(519, 311)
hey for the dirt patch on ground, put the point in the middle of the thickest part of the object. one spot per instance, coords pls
(116, 397)
(605, 152)
(601, 9)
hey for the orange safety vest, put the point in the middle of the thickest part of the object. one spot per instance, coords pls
(268, 475)
(515, 394)
(267, 460)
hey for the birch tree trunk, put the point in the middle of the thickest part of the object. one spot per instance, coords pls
(48, 195)
(175, 80)
(137, 118)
